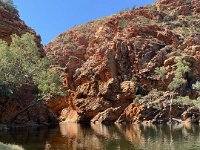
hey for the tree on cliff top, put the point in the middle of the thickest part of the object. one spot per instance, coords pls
(21, 63)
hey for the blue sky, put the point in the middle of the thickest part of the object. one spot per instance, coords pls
(49, 18)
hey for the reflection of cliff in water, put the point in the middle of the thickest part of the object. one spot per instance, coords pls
(98, 136)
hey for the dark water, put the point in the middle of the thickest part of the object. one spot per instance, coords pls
(101, 137)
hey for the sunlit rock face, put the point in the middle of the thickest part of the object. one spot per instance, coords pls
(106, 61)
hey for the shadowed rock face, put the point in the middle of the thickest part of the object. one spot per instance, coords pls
(103, 58)
(16, 110)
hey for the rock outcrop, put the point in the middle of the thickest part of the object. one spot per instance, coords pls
(110, 61)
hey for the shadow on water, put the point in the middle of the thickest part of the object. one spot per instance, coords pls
(69, 136)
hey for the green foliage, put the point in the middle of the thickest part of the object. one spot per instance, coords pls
(10, 147)
(185, 31)
(5, 91)
(134, 79)
(178, 80)
(187, 101)
(138, 99)
(134, 7)
(49, 83)
(9, 5)
(196, 86)
(167, 18)
(188, 2)
(21, 63)
(183, 100)
(145, 21)
(197, 102)
(161, 73)
(155, 93)
(151, 7)
(123, 23)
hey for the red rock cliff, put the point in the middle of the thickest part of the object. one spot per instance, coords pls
(107, 59)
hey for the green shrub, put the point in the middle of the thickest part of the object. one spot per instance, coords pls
(187, 101)
(9, 5)
(160, 71)
(137, 99)
(145, 20)
(123, 23)
(134, 7)
(10, 147)
(155, 93)
(178, 80)
(183, 100)
(185, 31)
(197, 102)
(196, 87)
(167, 18)
(134, 78)
(151, 7)
(188, 2)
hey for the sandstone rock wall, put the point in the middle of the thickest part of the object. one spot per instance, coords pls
(109, 61)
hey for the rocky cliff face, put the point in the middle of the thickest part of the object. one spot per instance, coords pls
(111, 61)
(16, 110)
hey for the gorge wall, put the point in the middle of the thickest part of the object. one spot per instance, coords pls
(109, 64)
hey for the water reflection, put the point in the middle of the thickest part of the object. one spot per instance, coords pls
(100, 137)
